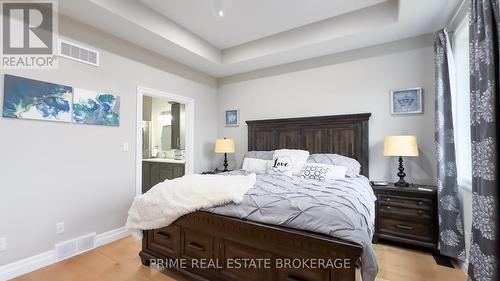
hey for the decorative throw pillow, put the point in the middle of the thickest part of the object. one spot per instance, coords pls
(352, 165)
(281, 165)
(254, 165)
(298, 157)
(323, 172)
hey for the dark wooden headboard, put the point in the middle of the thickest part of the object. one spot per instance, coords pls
(342, 134)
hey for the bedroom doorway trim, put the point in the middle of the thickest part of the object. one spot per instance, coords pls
(189, 103)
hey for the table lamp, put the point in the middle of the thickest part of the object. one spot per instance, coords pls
(401, 146)
(224, 146)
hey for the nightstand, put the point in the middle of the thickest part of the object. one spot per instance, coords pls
(407, 215)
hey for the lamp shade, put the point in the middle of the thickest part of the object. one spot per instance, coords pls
(224, 146)
(400, 146)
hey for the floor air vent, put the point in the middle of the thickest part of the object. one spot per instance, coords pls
(79, 53)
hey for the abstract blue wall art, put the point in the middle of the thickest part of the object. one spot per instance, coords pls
(96, 108)
(32, 99)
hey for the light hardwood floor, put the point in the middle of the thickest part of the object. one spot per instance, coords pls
(120, 261)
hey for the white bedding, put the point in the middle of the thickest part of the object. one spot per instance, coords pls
(171, 199)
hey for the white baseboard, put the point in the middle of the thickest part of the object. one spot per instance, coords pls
(18, 268)
(110, 236)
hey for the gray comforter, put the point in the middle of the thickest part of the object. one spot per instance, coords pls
(342, 209)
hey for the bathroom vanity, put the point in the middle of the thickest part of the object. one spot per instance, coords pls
(156, 170)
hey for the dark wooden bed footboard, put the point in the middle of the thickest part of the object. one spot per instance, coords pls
(213, 247)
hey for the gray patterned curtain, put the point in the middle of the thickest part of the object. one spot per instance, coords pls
(451, 230)
(484, 99)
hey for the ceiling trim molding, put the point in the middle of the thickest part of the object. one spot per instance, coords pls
(417, 42)
(155, 23)
(340, 26)
(102, 40)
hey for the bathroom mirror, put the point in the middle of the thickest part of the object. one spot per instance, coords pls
(166, 137)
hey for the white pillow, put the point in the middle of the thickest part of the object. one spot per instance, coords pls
(323, 171)
(299, 158)
(254, 165)
(281, 165)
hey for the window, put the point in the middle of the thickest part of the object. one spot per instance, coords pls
(461, 104)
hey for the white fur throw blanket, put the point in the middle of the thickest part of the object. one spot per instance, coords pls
(171, 199)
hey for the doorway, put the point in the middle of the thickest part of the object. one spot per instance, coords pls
(165, 140)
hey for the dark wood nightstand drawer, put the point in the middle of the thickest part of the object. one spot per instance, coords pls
(389, 210)
(402, 228)
(403, 201)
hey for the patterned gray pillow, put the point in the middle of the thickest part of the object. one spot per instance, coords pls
(314, 172)
(320, 171)
(352, 165)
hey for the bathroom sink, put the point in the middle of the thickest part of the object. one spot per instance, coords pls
(164, 160)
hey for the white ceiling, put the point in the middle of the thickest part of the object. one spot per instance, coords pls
(249, 20)
(256, 34)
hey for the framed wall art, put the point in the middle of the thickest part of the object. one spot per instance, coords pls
(406, 101)
(32, 99)
(232, 118)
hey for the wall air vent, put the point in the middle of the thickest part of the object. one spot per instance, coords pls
(79, 53)
(66, 249)
(75, 246)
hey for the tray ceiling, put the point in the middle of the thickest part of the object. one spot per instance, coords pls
(258, 34)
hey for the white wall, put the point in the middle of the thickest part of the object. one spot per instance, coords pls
(359, 85)
(52, 172)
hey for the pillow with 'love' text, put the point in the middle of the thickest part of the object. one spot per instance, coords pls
(298, 157)
(281, 165)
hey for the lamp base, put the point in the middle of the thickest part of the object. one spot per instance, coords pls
(401, 184)
(401, 175)
(225, 163)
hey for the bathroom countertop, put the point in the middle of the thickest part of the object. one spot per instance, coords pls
(164, 160)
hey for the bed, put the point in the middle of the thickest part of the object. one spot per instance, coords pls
(205, 235)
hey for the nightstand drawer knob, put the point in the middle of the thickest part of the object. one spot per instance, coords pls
(420, 203)
(420, 212)
(387, 207)
(402, 226)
